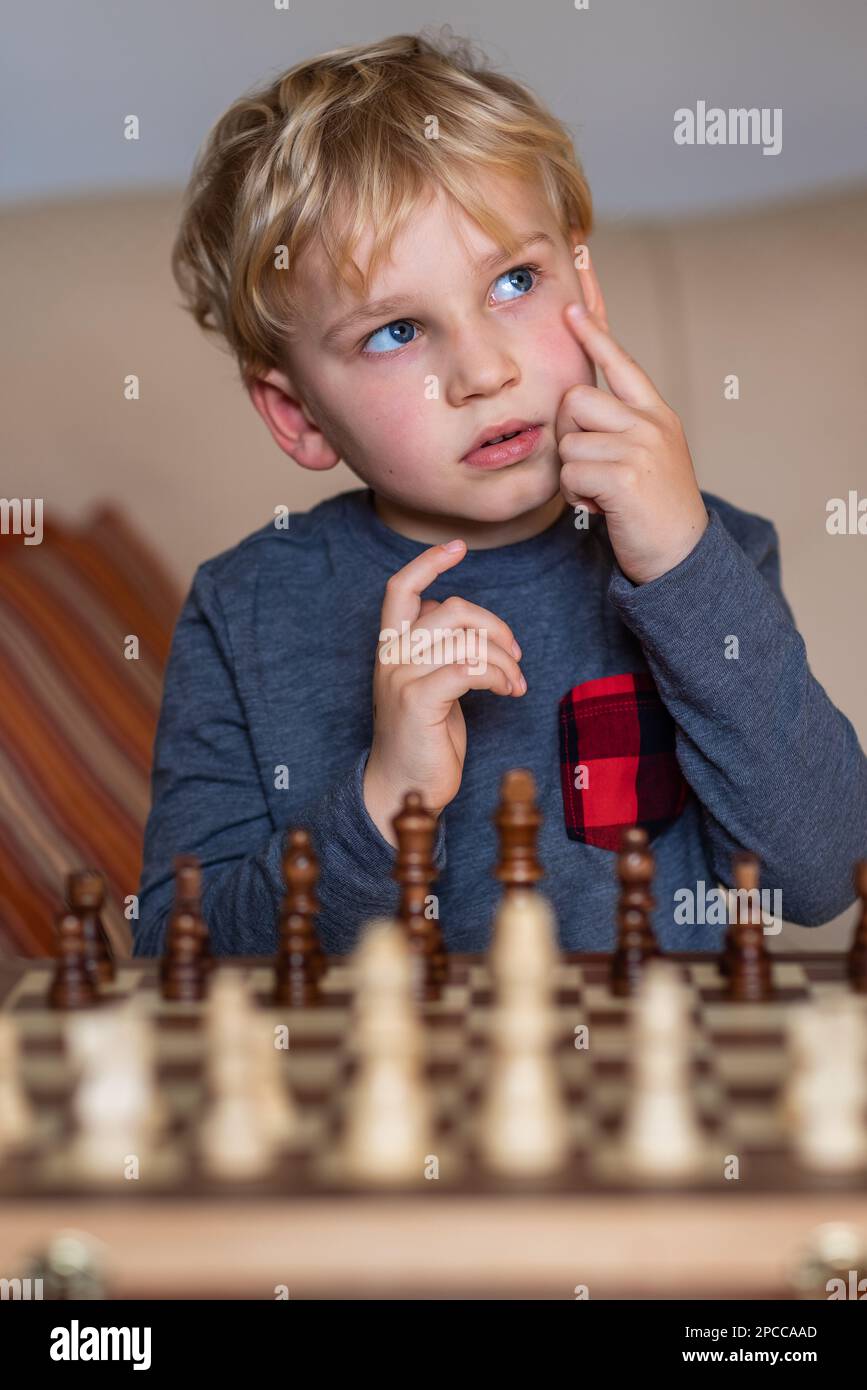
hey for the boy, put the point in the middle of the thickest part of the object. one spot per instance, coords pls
(390, 240)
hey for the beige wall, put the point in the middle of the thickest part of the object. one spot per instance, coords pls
(777, 296)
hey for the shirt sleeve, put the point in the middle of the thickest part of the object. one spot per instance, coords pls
(208, 799)
(776, 767)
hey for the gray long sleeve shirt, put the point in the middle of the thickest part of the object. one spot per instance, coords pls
(267, 721)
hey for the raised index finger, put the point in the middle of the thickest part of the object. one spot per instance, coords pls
(623, 374)
(404, 589)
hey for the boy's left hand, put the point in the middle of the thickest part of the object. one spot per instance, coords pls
(625, 454)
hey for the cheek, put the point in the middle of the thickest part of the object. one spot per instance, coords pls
(558, 357)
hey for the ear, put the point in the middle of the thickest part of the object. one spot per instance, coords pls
(587, 279)
(291, 427)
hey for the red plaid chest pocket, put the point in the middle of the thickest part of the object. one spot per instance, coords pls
(617, 760)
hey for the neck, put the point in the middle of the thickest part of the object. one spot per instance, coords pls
(434, 529)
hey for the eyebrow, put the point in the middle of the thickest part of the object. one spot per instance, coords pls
(385, 309)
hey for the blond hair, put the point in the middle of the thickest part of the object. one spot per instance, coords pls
(341, 142)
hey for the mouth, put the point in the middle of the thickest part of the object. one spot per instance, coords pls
(505, 443)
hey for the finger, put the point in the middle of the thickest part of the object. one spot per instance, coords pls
(460, 612)
(586, 445)
(458, 649)
(403, 591)
(598, 482)
(434, 695)
(623, 374)
(587, 407)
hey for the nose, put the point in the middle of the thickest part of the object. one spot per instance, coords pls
(480, 365)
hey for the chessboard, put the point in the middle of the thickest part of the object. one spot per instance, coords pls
(738, 1065)
(708, 1234)
(404, 1120)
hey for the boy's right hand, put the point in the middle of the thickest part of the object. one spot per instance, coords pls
(419, 734)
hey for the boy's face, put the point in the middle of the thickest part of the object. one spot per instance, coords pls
(472, 344)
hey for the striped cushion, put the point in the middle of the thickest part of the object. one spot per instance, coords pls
(77, 719)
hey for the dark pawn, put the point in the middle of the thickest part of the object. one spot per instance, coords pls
(748, 965)
(636, 941)
(184, 972)
(300, 962)
(517, 820)
(188, 899)
(857, 959)
(85, 895)
(73, 985)
(415, 829)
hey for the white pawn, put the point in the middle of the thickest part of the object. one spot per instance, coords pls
(662, 1137)
(523, 1128)
(826, 1090)
(17, 1120)
(235, 1142)
(388, 1132)
(113, 1104)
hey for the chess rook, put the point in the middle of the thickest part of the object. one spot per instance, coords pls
(74, 984)
(85, 895)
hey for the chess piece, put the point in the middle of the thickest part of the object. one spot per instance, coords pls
(183, 971)
(115, 1105)
(748, 965)
(17, 1118)
(824, 1105)
(517, 820)
(387, 1133)
(73, 985)
(523, 1120)
(300, 962)
(661, 1136)
(636, 942)
(188, 899)
(415, 829)
(857, 958)
(85, 896)
(235, 1139)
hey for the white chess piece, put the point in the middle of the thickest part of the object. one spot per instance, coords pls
(17, 1119)
(235, 1141)
(387, 1134)
(826, 1090)
(662, 1138)
(113, 1103)
(522, 1129)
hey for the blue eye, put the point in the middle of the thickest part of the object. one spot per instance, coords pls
(517, 282)
(393, 335)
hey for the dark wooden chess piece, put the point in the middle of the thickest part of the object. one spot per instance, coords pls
(415, 829)
(85, 896)
(300, 962)
(857, 958)
(188, 899)
(748, 965)
(636, 940)
(73, 985)
(517, 819)
(184, 972)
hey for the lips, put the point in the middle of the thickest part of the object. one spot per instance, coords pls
(509, 442)
(496, 433)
